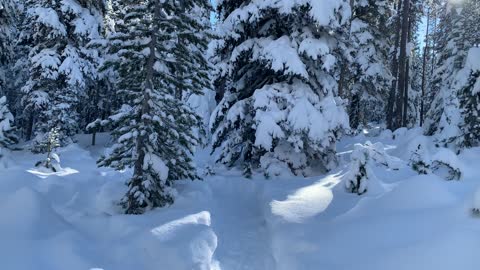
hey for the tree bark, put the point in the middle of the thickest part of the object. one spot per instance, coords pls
(402, 65)
(341, 82)
(407, 75)
(141, 139)
(424, 70)
(391, 97)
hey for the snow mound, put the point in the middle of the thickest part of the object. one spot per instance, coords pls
(303, 204)
(186, 243)
(27, 214)
(423, 192)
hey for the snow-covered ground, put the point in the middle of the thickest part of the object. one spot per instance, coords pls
(69, 220)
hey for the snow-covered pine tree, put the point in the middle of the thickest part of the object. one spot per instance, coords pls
(6, 28)
(6, 40)
(7, 134)
(192, 39)
(357, 177)
(192, 66)
(276, 84)
(414, 93)
(17, 68)
(59, 67)
(52, 142)
(469, 99)
(456, 40)
(370, 76)
(153, 128)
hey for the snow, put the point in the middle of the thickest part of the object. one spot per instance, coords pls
(281, 53)
(157, 164)
(48, 17)
(324, 12)
(416, 222)
(473, 62)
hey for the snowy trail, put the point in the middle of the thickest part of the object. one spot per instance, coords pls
(239, 222)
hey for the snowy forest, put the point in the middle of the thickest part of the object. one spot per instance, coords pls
(319, 134)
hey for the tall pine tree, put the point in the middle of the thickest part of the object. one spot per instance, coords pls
(454, 41)
(469, 97)
(370, 76)
(7, 14)
(154, 126)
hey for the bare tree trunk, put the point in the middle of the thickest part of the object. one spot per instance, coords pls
(94, 138)
(341, 82)
(407, 75)
(424, 70)
(391, 97)
(402, 65)
(434, 49)
(29, 131)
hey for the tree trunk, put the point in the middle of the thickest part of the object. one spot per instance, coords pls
(94, 138)
(407, 75)
(146, 110)
(402, 65)
(391, 97)
(341, 81)
(424, 70)
(29, 131)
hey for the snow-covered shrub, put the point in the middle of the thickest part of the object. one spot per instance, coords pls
(418, 160)
(208, 171)
(446, 170)
(377, 153)
(52, 141)
(446, 164)
(363, 158)
(358, 175)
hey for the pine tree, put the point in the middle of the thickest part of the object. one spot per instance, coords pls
(469, 98)
(369, 66)
(6, 25)
(51, 142)
(7, 16)
(7, 135)
(153, 127)
(454, 40)
(277, 64)
(59, 66)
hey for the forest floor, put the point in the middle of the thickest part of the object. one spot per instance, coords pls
(69, 220)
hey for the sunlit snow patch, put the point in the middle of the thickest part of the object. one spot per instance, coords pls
(46, 173)
(305, 202)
